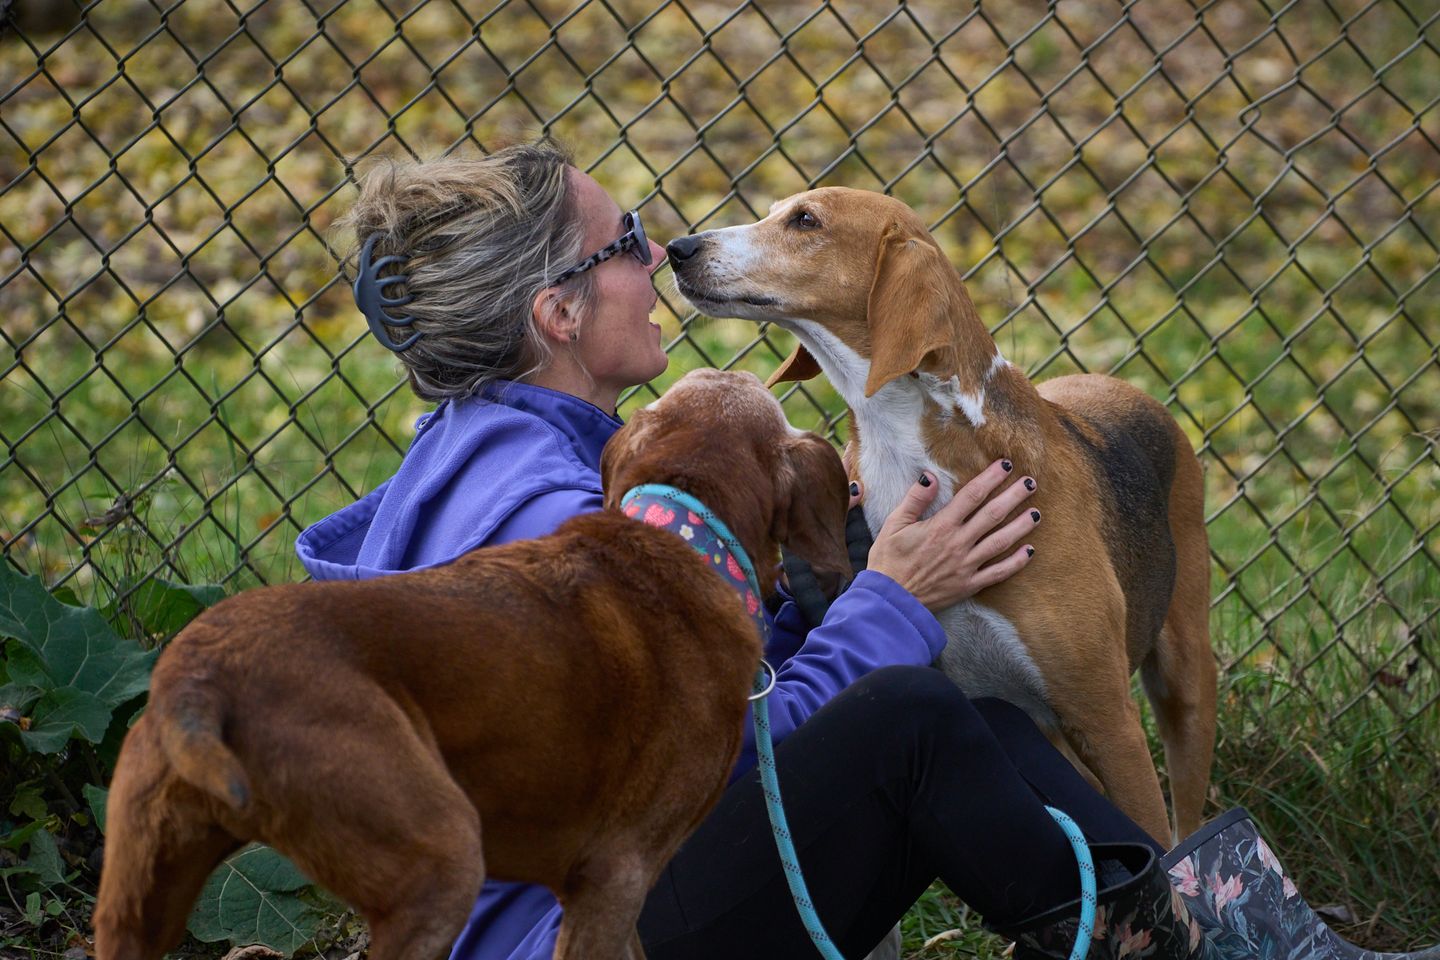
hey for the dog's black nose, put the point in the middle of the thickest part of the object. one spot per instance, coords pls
(683, 248)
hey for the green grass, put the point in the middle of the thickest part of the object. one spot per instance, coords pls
(1248, 233)
(951, 929)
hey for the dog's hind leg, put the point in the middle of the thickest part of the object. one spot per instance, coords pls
(381, 823)
(1179, 673)
(1181, 690)
(161, 844)
(438, 870)
(435, 889)
(602, 906)
(1179, 680)
(151, 920)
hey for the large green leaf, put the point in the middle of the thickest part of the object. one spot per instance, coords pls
(75, 645)
(29, 801)
(64, 712)
(162, 607)
(252, 898)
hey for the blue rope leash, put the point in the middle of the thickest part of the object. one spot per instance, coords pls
(789, 861)
(1088, 894)
(770, 780)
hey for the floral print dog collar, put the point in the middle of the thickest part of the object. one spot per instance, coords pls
(675, 510)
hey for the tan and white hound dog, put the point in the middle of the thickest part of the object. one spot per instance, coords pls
(1120, 578)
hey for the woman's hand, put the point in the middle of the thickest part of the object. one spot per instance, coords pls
(948, 557)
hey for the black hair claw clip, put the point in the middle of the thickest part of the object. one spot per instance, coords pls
(370, 297)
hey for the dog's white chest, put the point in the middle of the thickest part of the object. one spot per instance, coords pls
(984, 654)
(893, 454)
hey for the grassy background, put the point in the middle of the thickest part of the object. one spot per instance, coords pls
(1232, 205)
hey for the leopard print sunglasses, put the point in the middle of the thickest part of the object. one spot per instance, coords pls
(633, 240)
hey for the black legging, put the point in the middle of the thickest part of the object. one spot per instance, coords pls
(897, 781)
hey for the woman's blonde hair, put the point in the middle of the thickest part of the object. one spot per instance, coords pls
(480, 236)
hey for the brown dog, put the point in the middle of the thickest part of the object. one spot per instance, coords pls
(1120, 577)
(560, 711)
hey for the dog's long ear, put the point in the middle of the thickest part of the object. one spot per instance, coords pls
(619, 453)
(915, 303)
(810, 514)
(800, 365)
(608, 459)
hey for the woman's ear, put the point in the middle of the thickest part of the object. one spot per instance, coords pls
(555, 317)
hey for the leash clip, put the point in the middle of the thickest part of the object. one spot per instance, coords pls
(369, 290)
(760, 678)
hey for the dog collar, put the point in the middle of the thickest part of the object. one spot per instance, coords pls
(666, 507)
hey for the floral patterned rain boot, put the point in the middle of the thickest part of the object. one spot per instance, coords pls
(1235, 887)
(1139, 915)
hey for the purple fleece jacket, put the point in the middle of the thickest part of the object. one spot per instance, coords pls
(516, 462)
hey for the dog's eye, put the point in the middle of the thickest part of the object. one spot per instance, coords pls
(805, 220)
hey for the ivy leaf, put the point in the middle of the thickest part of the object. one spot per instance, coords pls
(252, 898)
(63, 713)
(75, 645)
(30, 802)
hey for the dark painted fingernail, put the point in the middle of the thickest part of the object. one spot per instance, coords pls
(854, 489)
(1029, 551)
(1035, 515)
(924, 479)
(1029, 484)
(1006, 465)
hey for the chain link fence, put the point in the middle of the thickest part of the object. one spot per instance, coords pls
(1232, 204)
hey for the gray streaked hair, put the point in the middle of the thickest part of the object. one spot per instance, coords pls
(480, 237)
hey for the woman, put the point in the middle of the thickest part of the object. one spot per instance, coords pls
(524, 315)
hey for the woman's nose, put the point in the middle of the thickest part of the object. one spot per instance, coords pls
(657, 256)
(683, 248)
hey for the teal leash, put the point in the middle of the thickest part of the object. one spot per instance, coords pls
(780, 827)
(1088, 894)
(765, 681)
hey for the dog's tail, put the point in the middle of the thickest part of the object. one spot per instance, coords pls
(192, 727)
